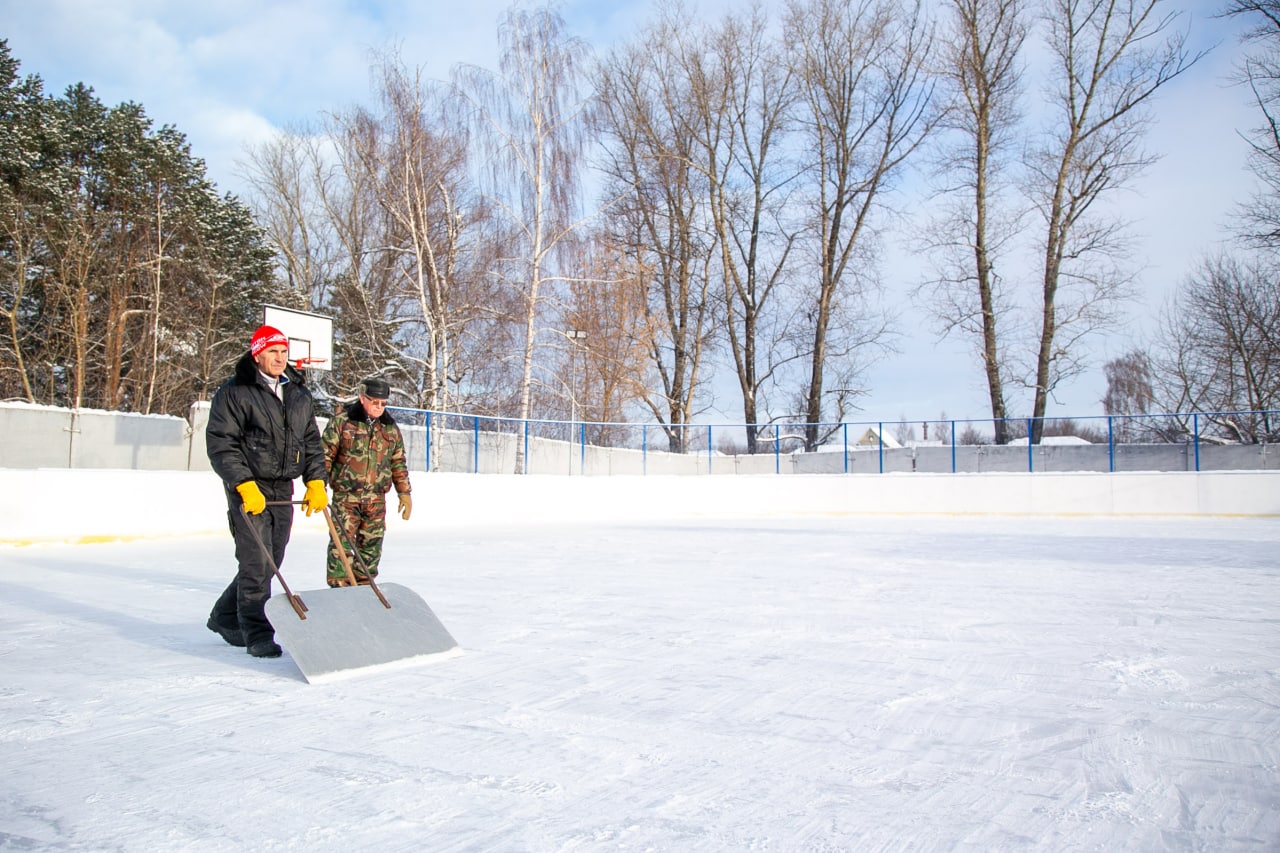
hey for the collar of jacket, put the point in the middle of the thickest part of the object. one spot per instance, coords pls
(357, 413)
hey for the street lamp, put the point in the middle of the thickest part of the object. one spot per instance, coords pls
(576, 337)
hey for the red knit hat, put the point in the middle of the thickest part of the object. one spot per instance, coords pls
(266, 336)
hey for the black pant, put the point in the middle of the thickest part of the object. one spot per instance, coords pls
(244, 600)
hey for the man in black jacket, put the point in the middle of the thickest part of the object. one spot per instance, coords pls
(261, 436)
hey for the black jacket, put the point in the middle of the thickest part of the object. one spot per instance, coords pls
(253, 436)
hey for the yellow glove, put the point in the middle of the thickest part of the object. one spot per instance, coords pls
(254, 502)
(316, 497)
(406, 505)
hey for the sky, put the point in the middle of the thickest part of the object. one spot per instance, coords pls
(742, 679)
(230, 74)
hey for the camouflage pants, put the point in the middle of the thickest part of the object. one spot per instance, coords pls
(362, 522)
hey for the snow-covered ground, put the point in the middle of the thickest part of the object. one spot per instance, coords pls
(773, 683)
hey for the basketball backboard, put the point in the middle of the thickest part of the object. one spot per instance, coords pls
(310, 336)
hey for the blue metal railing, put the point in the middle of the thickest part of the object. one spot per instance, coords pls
(1111, 442)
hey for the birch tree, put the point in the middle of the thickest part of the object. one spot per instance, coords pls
(530, 120)
(420, 165)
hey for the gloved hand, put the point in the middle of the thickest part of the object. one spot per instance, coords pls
(316, 498)
(254, 501)
(406, 506)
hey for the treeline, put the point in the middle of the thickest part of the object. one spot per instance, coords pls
(701, 210)
(1215, 349)
(126, 281)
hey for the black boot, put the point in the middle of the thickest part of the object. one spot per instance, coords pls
(234, 636)
(264, 649)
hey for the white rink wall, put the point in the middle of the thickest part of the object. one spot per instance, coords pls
(62, 505)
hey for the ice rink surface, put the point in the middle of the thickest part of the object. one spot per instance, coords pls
(774, 684)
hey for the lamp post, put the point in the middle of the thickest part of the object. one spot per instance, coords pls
(575, 336)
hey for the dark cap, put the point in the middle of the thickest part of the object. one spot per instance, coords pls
(376, 389)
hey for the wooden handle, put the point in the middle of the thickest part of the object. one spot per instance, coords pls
(337, 543)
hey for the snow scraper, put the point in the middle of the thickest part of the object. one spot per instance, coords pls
(339, 629)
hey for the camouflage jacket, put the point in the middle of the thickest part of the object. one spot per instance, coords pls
(364, 457)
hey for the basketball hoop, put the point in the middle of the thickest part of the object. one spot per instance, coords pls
(310, 337)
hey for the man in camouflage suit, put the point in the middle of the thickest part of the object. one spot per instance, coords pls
(364, 455)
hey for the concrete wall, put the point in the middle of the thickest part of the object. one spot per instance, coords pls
(61, 505)
(45, 436)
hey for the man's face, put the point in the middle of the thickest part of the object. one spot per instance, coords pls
(372, 405)
(273, 360)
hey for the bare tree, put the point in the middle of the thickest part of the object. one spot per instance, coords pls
(1258, 220)
(982, 72)
(1128, 385)
(1129, 392)
(530, 119)
(1111, 57)
(283, 174)
(644, 92)
(73, 287)
(904, 432)
(1219, 350)
(607, 367)
(312, 194)
(942, 429)
(867, 108)
(377, 223)
(743, 92)
(363, 241)
(420, 171)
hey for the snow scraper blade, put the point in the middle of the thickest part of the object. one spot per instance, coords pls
(349, 628)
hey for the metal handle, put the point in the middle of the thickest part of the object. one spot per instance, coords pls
(295, 601)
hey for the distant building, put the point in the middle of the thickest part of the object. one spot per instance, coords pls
(873, 438)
